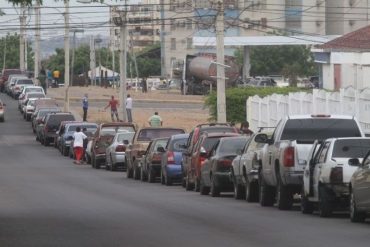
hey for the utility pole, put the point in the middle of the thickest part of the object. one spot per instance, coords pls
(4, 62)
(21, 39)
(37, 42)
(221, 97)
(123, 63)
(66, 55)
(163, 54)
(92, 60)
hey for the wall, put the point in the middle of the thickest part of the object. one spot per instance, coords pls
(267, 111)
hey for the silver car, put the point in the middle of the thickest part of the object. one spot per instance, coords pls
(2, 111)
(115, 153)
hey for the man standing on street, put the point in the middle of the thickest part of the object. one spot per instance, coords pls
(113, 103)
(155, 120)
(78, 144)
(129, 108)
(85, 106)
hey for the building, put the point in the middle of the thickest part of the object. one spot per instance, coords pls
(143, 25)
(345, 61)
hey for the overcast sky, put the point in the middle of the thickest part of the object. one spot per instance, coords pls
(92, 17)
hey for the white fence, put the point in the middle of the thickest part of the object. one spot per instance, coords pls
(269, 110)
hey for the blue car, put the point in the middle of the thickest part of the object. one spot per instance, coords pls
(171, 166)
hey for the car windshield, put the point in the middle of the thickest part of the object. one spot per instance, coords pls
(150, 134)
(178, 145)
(89, 128)
(25, 82)
(232, 145)
(125, 136)
(319, 129)
(113, 130)
(351, 148)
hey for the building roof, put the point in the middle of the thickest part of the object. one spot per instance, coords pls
(357, 40)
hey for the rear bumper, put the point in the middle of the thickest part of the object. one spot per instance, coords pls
(223, 181)
(118, 158)
(174, 171)
(292, 177)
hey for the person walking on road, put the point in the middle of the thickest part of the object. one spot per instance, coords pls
(155, 120)
(113, 104)
(129, 108)
(78, 145)
(85, 106)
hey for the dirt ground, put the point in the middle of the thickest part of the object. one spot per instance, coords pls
(186, 118)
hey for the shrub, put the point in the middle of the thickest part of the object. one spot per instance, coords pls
(236, 100)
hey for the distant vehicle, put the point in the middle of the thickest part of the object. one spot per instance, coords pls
(116, 152)
(193, 139)
(23, 102)
(16, 89)
(150, 167)
(360, 191)
(171, 165)
(5, 74)
(50, 125)
(216, 170)
(199, 155)
(30, 89)
(140, 143)
(103, 138)
(262, 82)
(2, 111)
(9, 84)
(328, 173)
(37, 115)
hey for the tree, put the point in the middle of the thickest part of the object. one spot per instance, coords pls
(267, 60)
(11, 43)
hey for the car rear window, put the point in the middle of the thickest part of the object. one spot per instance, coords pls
(309, 130)
(210, 142)
(35, 95)
(129, 136)
(45, 112)
(90, 128)
(113, 130)
(25, 82)
(351, 148)
(160, 143)
(220, 129)
(231, 146)
(150, 134)
(6, 73)
(55, 120)
(178, 145)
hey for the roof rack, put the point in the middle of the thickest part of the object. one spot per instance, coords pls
(214, 124)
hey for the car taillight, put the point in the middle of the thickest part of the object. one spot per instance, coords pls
(17, 88)
(120, 148)
(288, 157)
(336, 175)
(224, 162)
(156, 157)
(201, 160)
(170, 157)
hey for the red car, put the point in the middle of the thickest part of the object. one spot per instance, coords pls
(198, 156)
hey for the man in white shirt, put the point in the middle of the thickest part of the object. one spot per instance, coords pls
(129, 108)
(78, 144)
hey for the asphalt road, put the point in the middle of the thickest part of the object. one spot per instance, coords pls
(45, 200)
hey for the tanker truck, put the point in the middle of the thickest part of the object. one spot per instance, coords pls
(199, 73)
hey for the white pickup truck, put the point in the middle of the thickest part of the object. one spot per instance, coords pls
(283, 162)
(328, 174)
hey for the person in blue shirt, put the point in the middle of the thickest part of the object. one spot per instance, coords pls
(85, 106)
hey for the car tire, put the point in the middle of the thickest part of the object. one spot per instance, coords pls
(88, 159)
(215, 191)
(163, 181)
(65, 151)
(239, 191)
(266, 193)
(128, 170)
(2, 119)
(168, 180)
(183, 182)
(188, 185)
(251, 191)
(203, 190)
(284, 196)
(97, 164)
(196, 184)
(325, 205)
(45, 142)
(143, 178)
(113, 166)
(355, 215)
(307, 207)
(136, 171)
(151, 176)
(28, 118)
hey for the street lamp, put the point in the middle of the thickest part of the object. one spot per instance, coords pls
(119, 19)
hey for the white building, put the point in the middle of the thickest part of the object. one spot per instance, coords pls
(345, 61)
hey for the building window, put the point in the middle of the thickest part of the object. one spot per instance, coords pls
(189, 24)
(173, 25)
(173, 43)
(189, 43)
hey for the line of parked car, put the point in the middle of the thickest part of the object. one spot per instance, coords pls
(321, 160)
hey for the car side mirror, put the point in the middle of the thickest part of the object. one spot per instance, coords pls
(203, 152)
(354, 162)
(126, 142)
(161, 149)
(261, 138)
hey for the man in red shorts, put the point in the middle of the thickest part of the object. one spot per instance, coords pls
(113, 103)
